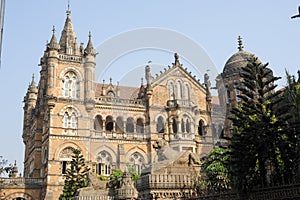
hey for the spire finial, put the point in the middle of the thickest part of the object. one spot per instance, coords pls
(176, 56)
(110, 80)
(32, 77)
(68, 11)
(142, 81)
(53, 30)
(240, 42)
(90, 35)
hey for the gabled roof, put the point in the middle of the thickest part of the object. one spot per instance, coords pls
(176, 67)
(126, 92)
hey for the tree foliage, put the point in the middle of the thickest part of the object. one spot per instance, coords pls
(261, 133)
(76, 176)
(216, 169)
(116, 177)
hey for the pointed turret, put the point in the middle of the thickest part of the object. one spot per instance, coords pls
(89, 66)
(89, 50)
(32, 87)
(53, 45)
(68, 41)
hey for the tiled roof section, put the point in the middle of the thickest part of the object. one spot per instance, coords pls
(126, 92)
(215, 100)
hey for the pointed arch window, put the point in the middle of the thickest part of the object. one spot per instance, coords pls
(179, 90)
(74, 88)
(182, 126)
(187, 91)
(160, 125)
(73, 121)
(137, 162)
(201, 128)
(66, 120)
(66, 86)
(188, 126)
(70, 85)
(171, 91)
(104, 164)
(70, 120)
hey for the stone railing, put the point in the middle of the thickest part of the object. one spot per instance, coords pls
(121, 135)
(119, 101)
(16, 182)
(70, 58)
(164, 181)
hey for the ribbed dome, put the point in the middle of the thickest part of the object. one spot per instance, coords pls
(236, 62)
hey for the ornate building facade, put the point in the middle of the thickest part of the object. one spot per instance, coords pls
(114, 126)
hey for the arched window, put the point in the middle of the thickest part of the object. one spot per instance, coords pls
(182, 126)
(73, 121)
(179, 90)
(174, 125)
(187, 91)
(160, 127)
(201, 128)
(188, 126)
(98, 123)
(140, 125)
(74, 88)
(110, 93)
(65, 157)
(66, 86)
(109, 124)
(171, 91)
(66, 120)
(137, 161)
(103, 166)
(120, 125)
(129, 125)
(70, 85)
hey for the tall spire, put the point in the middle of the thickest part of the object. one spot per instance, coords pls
(68, 41)
(240, 42)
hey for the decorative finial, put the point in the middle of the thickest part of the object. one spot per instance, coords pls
(68, 11)
(240, 41)
(110, 80)
(32, 77)
(176, 56)
(149, 61)
(142, 81)
(53, 30)
(90, 35)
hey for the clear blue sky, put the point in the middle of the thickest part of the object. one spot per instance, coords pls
(265, 26)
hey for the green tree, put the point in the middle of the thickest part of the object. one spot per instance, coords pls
(4, 167)
(116, 177)
(215, 167)
(257, 154)
(76, 176)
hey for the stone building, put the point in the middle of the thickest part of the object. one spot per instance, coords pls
(114, 126)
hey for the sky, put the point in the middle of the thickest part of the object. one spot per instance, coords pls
(129, 34)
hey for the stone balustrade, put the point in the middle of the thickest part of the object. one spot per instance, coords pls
(164, 181)
(20, 182)
(119, 101)
(121, 135)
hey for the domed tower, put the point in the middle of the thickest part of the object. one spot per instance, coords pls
(231, 81)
